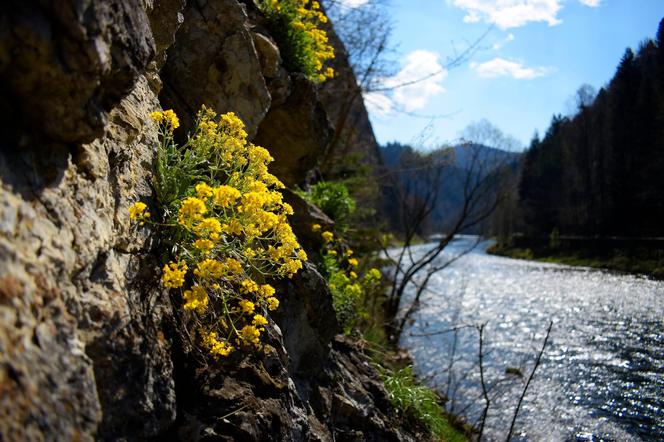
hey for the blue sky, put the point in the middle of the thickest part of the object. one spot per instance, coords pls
(535, 56)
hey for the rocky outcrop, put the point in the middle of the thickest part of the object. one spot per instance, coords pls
(65, 65)
(296, 132)
(89, 343)
(214, 62)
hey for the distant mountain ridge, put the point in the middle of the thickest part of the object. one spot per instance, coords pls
(457, 162)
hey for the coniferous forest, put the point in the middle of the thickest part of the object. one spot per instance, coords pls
(597, 173)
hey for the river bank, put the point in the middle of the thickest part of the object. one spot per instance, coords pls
(638, 261)
(423, 408)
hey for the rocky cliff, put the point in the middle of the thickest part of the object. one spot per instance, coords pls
(88, 343)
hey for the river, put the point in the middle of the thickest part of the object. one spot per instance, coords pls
(601, 375)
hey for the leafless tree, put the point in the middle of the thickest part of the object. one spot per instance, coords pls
(417, 195)
(485, 393)
(476, 171)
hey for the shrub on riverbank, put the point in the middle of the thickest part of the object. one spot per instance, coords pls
(359, 296)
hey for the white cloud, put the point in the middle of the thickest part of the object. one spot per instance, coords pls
(499, 67)
(591, 3)
(411, 88)
(499, 44)
(510, 13)
(514, 13)
(355, 3)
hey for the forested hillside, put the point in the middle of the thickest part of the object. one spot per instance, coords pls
(598, 173)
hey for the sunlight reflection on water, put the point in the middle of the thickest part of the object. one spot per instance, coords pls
(602, 374)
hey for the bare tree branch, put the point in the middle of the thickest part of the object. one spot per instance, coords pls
(485, 394)
(530, 378)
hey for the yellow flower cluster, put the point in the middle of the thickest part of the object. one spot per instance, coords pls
(231, 233)
(327, 236)
(349, 290)
(214, 345)
(308, 43)
(167, 118)
(174, 273)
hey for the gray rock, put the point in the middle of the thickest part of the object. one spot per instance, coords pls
(296, 133)
(84, 55)
(214, 62)
(268, 54)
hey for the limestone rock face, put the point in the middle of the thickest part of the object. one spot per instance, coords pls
(79, 316)
(296, 132)
(214, 62)
(83, 55)
(90, 347)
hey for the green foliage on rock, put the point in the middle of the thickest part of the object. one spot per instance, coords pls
(334, 199)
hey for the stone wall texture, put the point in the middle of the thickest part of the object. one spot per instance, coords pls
(88, 344)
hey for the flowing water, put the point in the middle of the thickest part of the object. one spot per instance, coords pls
(601, 375)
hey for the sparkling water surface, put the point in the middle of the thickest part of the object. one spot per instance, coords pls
(602, 373)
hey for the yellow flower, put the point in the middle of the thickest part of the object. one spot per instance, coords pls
(196, 299)
(332, 252)
(204, 245)
(171, 119)
(259, 320)
(137, 211)
(232, 232)
(266, 291)
(327, 236)
(208, 228)
(349, 253)
(272, 303)
(209, 269)
(248, 286)
(290, 267)
(233, 266)
(203, 191)
(225, 196)
(191, 209)
(259, 154)
(288, 209)
(375, 273)
(247, 306)
(173, 276)
(249, 334)
(233, 228)
(233, 125)
(353, 275)
(315, 227)
(353, 290)
(215, 346)
(167, 118)
(353, 262)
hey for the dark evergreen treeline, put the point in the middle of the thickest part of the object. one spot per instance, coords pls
(601, 172)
